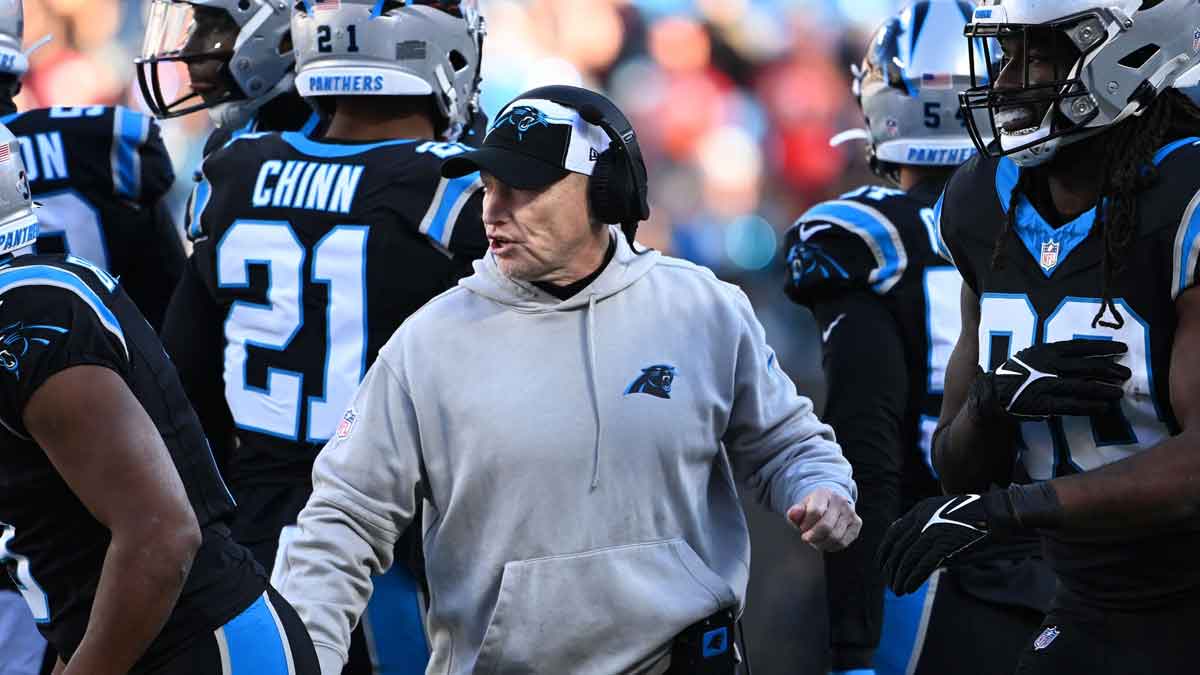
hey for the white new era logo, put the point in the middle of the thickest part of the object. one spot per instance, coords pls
(593, 155)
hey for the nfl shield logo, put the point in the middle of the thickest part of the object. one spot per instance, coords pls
(346, 425)
(1196, 40)
(1046, 638)
(1049, 258)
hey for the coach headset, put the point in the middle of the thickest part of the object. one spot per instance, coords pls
(617, 187)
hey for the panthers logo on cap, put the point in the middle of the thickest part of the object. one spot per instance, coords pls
(655, 380)
(523, 118)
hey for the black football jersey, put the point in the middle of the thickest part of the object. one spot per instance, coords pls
(882, 239)
(314, 253)
(1048, 288)
(99, 174)
(56, 313)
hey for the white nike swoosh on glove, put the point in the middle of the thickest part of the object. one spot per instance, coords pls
(829, 331)
(937, 518)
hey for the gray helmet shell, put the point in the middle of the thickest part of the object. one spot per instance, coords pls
(18, 222)
(259, 65)
(1131, 51)
(13, 59)
(361, 48)
(908, 87)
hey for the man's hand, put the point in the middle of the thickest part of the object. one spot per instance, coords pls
(934, 531)
(1073, 377)
(826, 520)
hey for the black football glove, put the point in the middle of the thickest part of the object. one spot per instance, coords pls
(934, 531)
(1073, 377)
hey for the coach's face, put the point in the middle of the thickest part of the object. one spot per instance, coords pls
(540, 235)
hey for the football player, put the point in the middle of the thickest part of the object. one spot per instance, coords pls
(888, 309)
(1078, 238)
(310, 253)
(233, 58)
(100, 174)
(113, 518)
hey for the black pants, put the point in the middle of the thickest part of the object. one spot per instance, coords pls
(1079, 640)
(943, 630)
(251, 644)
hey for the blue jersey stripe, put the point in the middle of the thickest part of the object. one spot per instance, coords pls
(1172, 147)
(452, 194)
(394, 626)
(200, 198)
(942, 249)
(129, 133)
(879, 234)
(254, 642)
(44, 275)
(313, 148)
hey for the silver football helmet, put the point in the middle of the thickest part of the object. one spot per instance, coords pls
(18, 222)
(1129, 51)
(227, 56)
(908, 88)
(14, 59)
(392, 48)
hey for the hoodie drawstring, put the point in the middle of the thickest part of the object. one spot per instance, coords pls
(595, 374)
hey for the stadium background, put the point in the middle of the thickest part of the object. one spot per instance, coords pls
(734, 102)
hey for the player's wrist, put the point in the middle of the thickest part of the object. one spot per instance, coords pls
(1032, 506)
(984, 406)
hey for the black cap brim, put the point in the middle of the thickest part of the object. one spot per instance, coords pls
(514, 169)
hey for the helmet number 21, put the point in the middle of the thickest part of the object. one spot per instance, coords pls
(325, 39)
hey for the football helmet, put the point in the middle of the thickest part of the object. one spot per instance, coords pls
(908, 87)
(18, 222)
(14, 60)
(1125, 53)
(226, 56)
(392, 48)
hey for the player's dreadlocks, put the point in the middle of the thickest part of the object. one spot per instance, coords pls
(1126, 159)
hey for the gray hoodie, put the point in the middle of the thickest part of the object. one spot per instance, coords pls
(578, 462)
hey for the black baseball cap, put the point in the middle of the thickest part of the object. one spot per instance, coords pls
(533, 143)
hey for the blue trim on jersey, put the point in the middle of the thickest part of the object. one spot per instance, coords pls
(901, 625)
(394, 627)
(131, 130)
(455, 187)
(940, 243)
(891, 267)
(335, 150)
(313, 121)
(1162, 154)
(199, 201)
(377, 9)
(9, 118)
(254, 642)
(1187, 248)
(44, 275)
(1031, 228)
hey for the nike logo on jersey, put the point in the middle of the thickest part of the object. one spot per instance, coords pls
(807, 232)
(316, 186)
(829, 331)
(937, 518)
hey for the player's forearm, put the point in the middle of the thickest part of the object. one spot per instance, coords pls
(974, 452)
(143, 575)
(1160, 485)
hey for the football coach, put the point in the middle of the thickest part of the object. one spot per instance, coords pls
(574, 416)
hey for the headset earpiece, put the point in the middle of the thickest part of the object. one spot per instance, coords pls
(610, 189)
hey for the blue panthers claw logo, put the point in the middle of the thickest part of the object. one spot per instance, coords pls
(14, 344)
(655, 380)
(808, 261)
(523, 118)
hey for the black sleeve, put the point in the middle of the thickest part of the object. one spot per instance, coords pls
(868, 391)
(158, 172)
(192, 336)
(156, 268)
(468, 241)
(48, 329)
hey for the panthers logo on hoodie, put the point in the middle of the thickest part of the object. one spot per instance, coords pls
(655, 380)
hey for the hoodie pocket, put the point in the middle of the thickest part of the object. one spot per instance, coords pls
(603, 611)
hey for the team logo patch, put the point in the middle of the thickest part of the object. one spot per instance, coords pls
(523, 118)
(1046, 638)
(1050, 251)
(16, 339)
(655, 380)
(347, 424)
